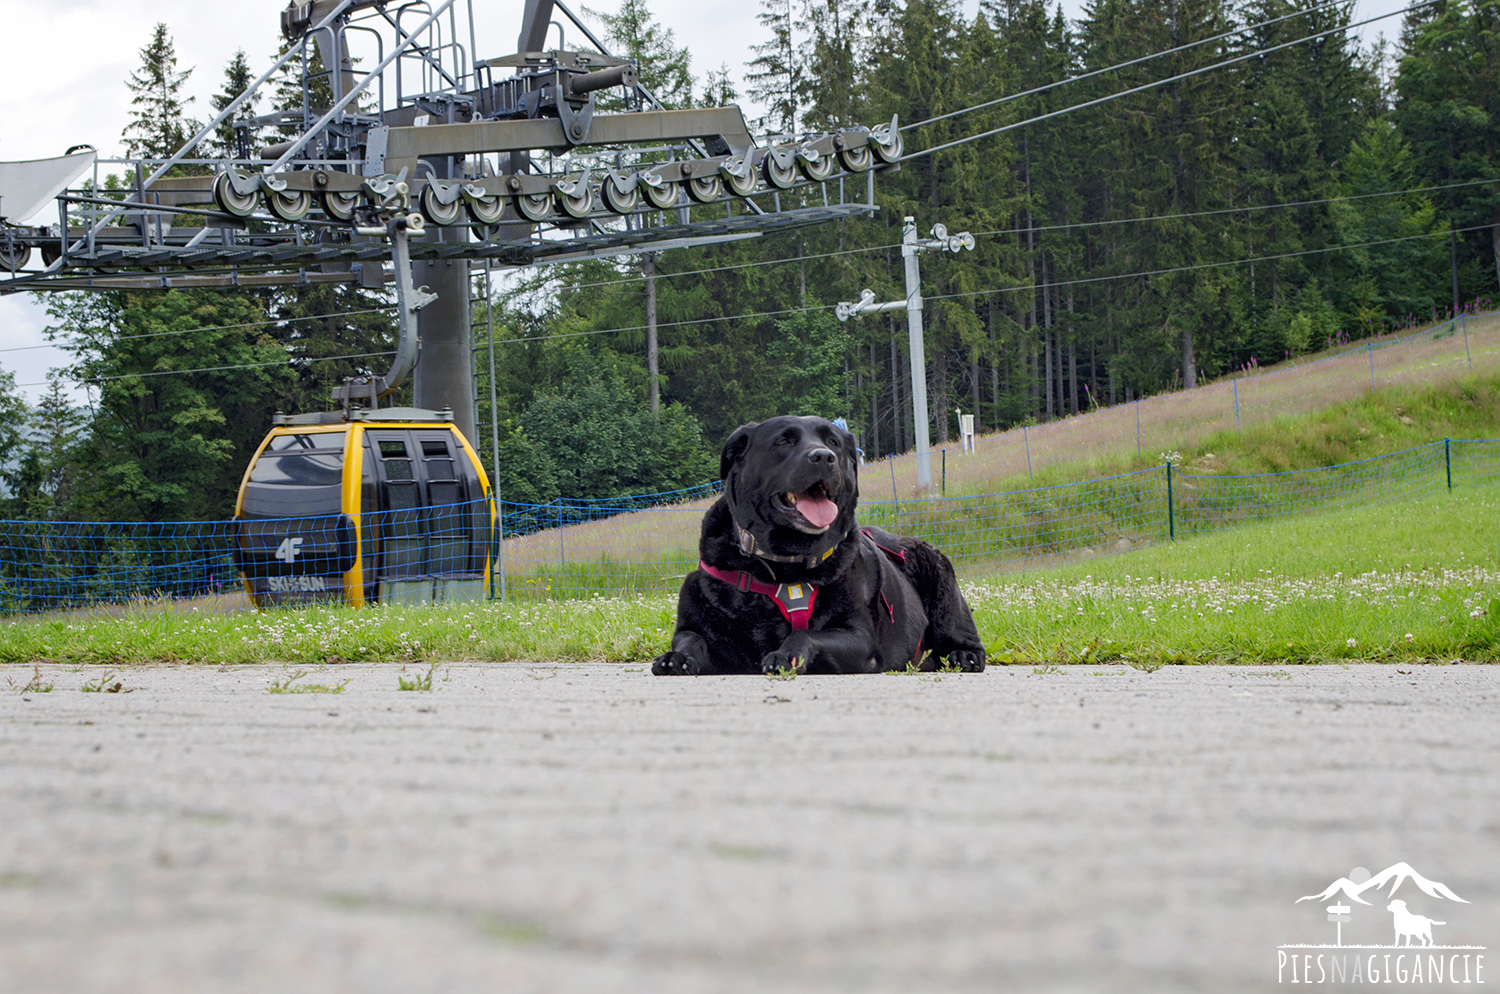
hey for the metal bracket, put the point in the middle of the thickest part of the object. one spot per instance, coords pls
(409, 300)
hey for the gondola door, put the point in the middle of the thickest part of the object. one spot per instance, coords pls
(430, 525)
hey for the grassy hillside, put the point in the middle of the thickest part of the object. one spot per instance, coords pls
(1393, 419)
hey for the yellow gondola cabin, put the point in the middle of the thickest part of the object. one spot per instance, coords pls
(391, 506)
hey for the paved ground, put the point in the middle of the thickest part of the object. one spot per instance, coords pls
(595, 829)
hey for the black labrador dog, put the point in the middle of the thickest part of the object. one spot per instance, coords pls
(788, 580)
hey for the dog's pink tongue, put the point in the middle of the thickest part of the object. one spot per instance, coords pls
(821, 511)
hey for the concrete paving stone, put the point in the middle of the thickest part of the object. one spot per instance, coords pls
(581, 827)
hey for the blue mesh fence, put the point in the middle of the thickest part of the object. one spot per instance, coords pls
(411, 555)
(645, 544)
(1209, 503)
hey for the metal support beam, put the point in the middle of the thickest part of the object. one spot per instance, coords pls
(445, 375)
(405, 145)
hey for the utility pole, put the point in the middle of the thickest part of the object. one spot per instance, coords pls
(911, 245)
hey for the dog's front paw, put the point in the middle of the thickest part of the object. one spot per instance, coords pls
(967, 661)
(780, 662)
(674, 663)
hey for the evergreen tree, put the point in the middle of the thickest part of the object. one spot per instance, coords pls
(237, 76)
(48, 477)
(633, 32)
(158, 127)
(1448, 109)
(186, 381)
(775, 77)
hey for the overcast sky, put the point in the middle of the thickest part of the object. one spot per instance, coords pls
(63, 80)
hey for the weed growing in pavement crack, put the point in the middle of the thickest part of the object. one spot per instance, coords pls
(289, 685)
(34, 686)
(101, 685)
(418, 682)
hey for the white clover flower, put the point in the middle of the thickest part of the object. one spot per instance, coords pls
(1351, 643)
(1410, 637)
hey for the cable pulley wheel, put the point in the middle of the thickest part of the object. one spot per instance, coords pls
(742, 185)
(534, 206)
(440, 213)
(15, 255)
(289, 205)
(339, 204)
(856, 160)
(617, 200)
(887, 146)
(816, 169)
(782, 179)
(232, 202)
(486, 210)
(705, 189)
(576, 206)
(662, 197)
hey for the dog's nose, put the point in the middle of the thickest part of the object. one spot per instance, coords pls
(821, 456)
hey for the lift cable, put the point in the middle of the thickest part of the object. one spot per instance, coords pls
(219, 369)
(1057, 227)
(826, 307)
(1216, 265)
(1015, 289)
(1161, 82)
(217, 327)
(741, 265)
(1122, 65)
(1233, 210)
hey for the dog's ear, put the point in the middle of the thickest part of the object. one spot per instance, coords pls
(734, 449)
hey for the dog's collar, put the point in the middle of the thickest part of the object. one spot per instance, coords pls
(795, 600)
(750, 547)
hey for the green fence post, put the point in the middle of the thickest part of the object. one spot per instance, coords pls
(1236, 384)
(1448, 463)
(1138, 426)
(1371, 350)
(1463, 321)
(1171, 518)
(944, 484)
(1027, 439)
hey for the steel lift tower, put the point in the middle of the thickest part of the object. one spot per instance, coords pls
(430, 157)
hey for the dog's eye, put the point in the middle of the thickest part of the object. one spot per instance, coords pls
(833, 443)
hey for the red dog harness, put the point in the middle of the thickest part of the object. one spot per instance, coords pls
(794, 600)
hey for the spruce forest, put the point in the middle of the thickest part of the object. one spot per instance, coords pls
(1276, 196)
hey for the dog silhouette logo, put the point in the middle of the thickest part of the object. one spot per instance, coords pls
(1410, 926)
(1413, 956)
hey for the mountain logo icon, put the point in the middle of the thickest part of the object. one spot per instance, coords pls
(1413, 956)
(1393, 875)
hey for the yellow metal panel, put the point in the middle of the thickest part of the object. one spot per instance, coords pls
(354, 457)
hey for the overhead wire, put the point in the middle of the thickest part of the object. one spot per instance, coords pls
(825, 307)
(1052, 227)
(1161, 82)
(1215, 265)
(216, 327)
(1014, 289)
(1233, 210)
(1122, 65)
(219, 369)
(740, 265)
